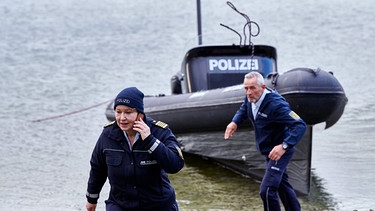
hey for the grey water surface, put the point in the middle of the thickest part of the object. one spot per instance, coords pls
(72, 56)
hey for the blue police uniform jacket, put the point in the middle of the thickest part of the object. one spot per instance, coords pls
(138, 177)
(275, 122)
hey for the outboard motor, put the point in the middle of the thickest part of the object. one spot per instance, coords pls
(315, 95)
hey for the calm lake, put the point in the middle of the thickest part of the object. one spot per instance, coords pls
(63, 56)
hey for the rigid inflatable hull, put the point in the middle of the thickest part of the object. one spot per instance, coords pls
(199, 120)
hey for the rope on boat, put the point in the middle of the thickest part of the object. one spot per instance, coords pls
(73, 112)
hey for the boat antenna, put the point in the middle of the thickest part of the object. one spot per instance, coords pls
(233, 31)
(199, 24)
(247, 25)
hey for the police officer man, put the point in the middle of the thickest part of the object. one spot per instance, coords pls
(277, 130)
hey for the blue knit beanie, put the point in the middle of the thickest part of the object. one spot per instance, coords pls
(131, 97)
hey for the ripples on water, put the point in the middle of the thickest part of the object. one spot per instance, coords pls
(62, 56)
(212, 187)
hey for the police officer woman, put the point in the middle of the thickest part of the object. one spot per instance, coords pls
(135, 153)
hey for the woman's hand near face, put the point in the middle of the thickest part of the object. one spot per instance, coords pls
(142, 128)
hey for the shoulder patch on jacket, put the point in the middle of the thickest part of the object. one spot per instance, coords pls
(161, 124)
(109, 124)
(294, 115)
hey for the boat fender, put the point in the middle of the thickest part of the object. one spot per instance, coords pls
(176, 84)
(160, 124)
(271, 80)
(109, 124)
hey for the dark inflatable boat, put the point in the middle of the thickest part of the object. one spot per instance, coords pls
(208, 90)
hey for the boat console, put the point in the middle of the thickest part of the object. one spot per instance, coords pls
(212, 67)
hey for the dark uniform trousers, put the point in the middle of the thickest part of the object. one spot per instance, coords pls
(276, 184)
(116, 207)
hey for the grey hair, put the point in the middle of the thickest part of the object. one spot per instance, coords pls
(257, 75)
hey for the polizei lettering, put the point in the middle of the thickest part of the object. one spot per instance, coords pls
(233, 64)
(123, 101)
